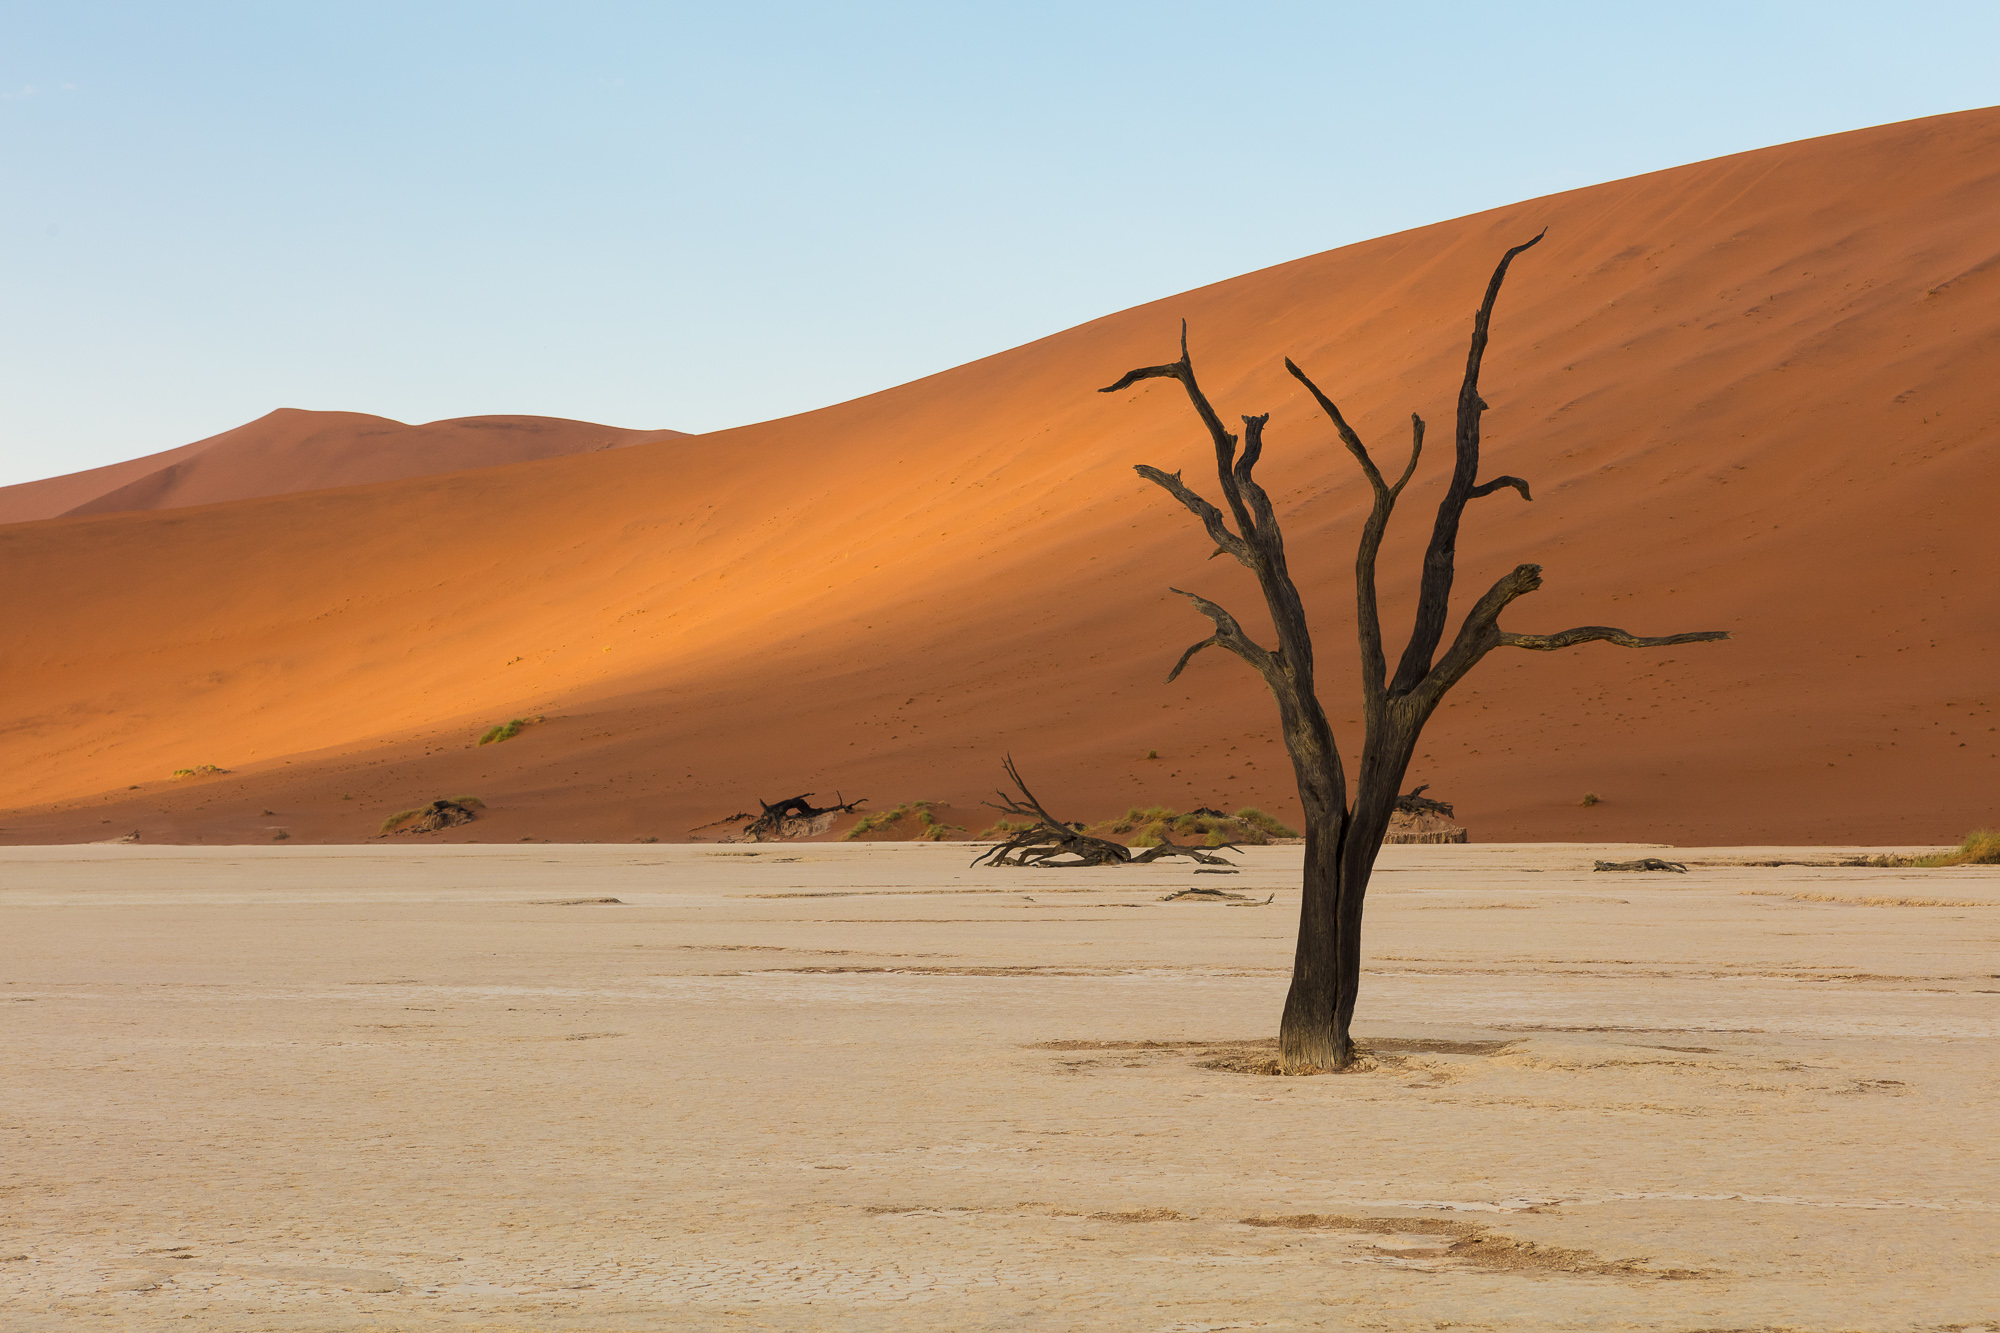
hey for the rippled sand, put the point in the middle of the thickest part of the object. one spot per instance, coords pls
(866, 1087)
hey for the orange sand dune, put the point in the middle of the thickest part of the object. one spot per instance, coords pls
(289, 450)
(1755, 394)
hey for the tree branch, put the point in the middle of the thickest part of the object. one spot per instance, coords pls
(1212, 641)
(1228, 634)
(1548, 643)
(1487, 488)
(1347, 435)
(1225, 443)
(1434, 595)
(1211, 517)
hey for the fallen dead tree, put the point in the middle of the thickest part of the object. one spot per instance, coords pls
(1414, 802)
(796, 817)
(1643, 863)
(1045, 838)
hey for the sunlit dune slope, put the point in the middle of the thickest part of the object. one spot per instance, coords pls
(290, 450)
(1755, 394)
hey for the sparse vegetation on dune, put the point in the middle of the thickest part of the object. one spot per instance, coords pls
(913, 821)
(199, 771)
(506, 731)
(1157, 824)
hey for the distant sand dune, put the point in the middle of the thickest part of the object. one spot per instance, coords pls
(1756, 394)
(289, 450)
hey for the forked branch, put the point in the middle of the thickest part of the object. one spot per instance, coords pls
(1211, 517)
(1434, 593)
(1228, 634)
(1225, 442)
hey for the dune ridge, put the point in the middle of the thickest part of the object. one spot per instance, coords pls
(1752, 394)
(292, 450)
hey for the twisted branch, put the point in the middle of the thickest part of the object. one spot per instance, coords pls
(1548, 643)
(1434, 593)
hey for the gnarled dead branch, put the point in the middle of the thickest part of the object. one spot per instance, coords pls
(1046, 838)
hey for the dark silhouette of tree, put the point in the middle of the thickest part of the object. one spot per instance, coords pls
(1343, 838)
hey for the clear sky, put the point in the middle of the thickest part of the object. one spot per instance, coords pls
(666, 214)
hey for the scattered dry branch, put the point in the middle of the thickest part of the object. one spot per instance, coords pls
(1046, 838)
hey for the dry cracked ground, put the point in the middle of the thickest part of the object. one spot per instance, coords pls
(868, 1087)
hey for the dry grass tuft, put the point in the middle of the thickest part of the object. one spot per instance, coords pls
(1981, 847)
(924, 825)
(1157, 824)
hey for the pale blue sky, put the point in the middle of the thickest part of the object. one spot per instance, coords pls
(697, 216)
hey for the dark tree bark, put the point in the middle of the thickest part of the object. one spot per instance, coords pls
(1343, 838)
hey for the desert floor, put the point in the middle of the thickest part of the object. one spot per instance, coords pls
(868, 1087)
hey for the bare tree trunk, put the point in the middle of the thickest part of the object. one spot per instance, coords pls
(1342, 840)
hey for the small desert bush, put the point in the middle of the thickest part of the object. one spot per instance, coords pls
(1981, 847)
(199, 771)
(869, 823)
(472, 801)
(929, 827)
(1157, 824)
(1589, 798)
(280, 836)
(506, 731)
(402, 817)
(1256, 818)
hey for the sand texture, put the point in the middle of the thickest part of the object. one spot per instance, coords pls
(865, 1087)
(1755, 394)
(289, 450)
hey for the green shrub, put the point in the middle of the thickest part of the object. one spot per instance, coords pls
(929, 827)
(507, 731)
(1257, 819)
(402, 817)
(1589, 798)
(199, 771)
(1981, 847)
(879, 820)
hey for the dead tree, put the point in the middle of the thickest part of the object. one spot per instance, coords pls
(1414, 802)
(772, 822)
(1343, 838)
(1047, 837)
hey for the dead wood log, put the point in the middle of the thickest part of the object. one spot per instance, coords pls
(1414, 802)
(1047, 838)
(1205, 855)
(1643, 863)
